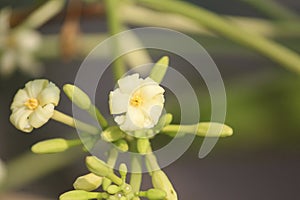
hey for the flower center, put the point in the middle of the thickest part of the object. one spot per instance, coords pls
(136, 100)
(32, 103)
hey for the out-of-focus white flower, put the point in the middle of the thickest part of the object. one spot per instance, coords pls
(17, 47)
(138, 103)
(34, 105)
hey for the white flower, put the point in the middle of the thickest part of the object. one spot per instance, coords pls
(34, 105)
(138, 103)
(17, 47)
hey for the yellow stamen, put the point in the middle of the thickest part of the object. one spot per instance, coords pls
(136, 100)
(32, 103)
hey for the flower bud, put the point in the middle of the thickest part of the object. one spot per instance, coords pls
(97, 166)
(50, 146)
(159, 69)
(143, 145)
(82, 195)
(77, 96)
(122, 145)
(88, 182)
(123, 171)
(162, 182)
(164, 120)
(112, 134)
(113, 189)
(213, 129)
(156, 194)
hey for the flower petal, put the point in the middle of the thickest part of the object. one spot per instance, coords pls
(20, 98)
(49, 95)
(129, 83)
(136, 116)
(120, 119)
(151, 90)
(118, 102)
(41, 115)
(34, 87)
(19, 118)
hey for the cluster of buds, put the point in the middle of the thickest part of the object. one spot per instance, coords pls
(137, 106)
(116, 189)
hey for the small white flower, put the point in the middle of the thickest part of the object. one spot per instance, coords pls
(17, 47)
(34, 105)
(138, 103)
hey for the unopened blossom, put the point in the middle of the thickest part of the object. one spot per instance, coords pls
(34, 105)
(137, 103)
(17, 47)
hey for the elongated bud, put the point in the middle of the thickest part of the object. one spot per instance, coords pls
(88, 182)
(159, 69)
(123, 171)
(153, 193)
(77, 96)
(112, 134)
(122, 145)
(50, 146)
(143, 145)
(164, 120)
(82, 195)
(213, 129)
(162, 182)
(97, 166)
(106, 183)
(113, 189)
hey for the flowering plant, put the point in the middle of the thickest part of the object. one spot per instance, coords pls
(137, 105)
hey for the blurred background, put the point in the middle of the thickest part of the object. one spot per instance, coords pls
(260, 161)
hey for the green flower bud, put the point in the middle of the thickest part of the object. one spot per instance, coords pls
(77, 96)
(112, 134)
(136, 198)
(162, 182)
(159, 69)
(123, 198)
(88, 182)
(100, 168)
(164, 120)
(156, 194)
(50, 146)
(122, 145)
(97, 166)
(123, 171)
(213, 129)
(113, 189)
(143, 145)
(106, 183)
(82, 195)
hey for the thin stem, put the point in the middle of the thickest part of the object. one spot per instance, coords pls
(136, 175)
(70, 121)
(212, 21)
(44, 13)
(115, 26)
(272, 9)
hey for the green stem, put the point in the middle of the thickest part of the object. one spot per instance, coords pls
(44, 13)
(136, 176)
(111, 162)
(70, 121)
(115, 26)
(212, 21)
(94, 112)
(272, 9)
